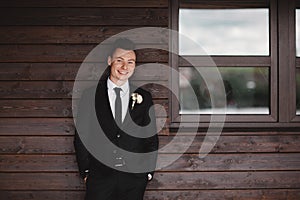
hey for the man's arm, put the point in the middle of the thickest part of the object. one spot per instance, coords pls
(82, 156)
(82, 129)
(152, 142)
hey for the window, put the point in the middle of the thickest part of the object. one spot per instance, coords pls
(297, 65)
(225, 31)
(248, 42)
(246, 90)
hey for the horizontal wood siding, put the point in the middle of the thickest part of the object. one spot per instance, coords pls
(42, 45)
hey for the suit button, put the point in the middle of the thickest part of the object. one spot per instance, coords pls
(114, 151)
(118, 136)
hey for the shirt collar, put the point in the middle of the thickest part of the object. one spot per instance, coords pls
(124, 87)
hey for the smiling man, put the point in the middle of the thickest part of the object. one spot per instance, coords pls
(121, 111)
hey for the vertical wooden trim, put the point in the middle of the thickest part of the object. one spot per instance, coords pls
(174, 78)
(292, 44)
(284, 61)
(274, 60)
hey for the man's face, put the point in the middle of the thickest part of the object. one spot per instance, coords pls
(122, 65)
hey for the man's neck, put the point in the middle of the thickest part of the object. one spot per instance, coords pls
(118, 83)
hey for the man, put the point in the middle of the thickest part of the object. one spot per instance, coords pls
(112, 173)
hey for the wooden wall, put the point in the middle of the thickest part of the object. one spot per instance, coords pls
(42, 44)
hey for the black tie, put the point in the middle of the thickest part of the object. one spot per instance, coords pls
(118, 107)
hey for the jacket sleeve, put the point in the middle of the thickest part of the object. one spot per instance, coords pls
(152, 142)
(82, 156)
(82, 129)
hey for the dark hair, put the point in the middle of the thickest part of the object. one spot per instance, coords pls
(122, 43)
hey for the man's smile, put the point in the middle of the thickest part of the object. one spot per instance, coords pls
(122, 72)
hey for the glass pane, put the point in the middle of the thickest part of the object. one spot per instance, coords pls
(246, 88)
(224, 31)
(298, 92)
(298, 32)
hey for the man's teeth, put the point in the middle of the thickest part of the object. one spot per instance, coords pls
(124, 73)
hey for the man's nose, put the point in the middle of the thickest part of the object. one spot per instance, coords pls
(125, 65)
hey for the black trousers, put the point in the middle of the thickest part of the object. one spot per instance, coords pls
(118, 186)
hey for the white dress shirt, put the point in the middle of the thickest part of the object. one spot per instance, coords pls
(124, 97)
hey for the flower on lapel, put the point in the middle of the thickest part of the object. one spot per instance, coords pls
(136, 98)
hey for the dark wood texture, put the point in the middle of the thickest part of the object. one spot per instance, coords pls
(84, 16)
(250, 194)
(68, 72)
(66, 53)
(42, 45)
(161, 181)
(187, 162)
(85, 3)
(225, 144)
(70, 34)
(217, 4)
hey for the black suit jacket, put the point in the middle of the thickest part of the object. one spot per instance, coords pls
(89, 144)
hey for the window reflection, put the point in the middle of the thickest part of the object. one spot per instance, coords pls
(298, 92)
(246, 88)
(225, 31)
(298, 32)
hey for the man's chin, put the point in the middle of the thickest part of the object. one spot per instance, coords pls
(124, 77)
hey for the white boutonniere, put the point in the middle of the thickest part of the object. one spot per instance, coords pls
(136, 98)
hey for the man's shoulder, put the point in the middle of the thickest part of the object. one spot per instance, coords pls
(142, 91)
(91, 89)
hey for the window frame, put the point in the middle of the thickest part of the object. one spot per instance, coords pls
(281, 113)
(295, 61)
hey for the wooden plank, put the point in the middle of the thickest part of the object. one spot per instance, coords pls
(36, 145)
(36, 108)
(161, 181)
(38, 71)
(64, 89)
(68, 71)
(73, 34)
(84, 3)
(36, 89)
(49, 126)
(69, 53)
(238, 144)
(44, 53)
(235, 162)
(38, 163)
(34, 126)
(226, 180)
(39, 195)
(226, 144)
(250, 194)
(52, 108)
(84, 16)
(186, 162)
(37, 181)
(233, 132)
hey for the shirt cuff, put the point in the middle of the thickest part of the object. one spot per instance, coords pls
(149, 177)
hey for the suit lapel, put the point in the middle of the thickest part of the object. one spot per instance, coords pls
(130, 111)
(103, 109)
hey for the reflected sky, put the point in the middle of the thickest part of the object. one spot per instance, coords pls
(298, 32)
(225, 32)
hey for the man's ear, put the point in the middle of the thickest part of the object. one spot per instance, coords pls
(109, 60)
